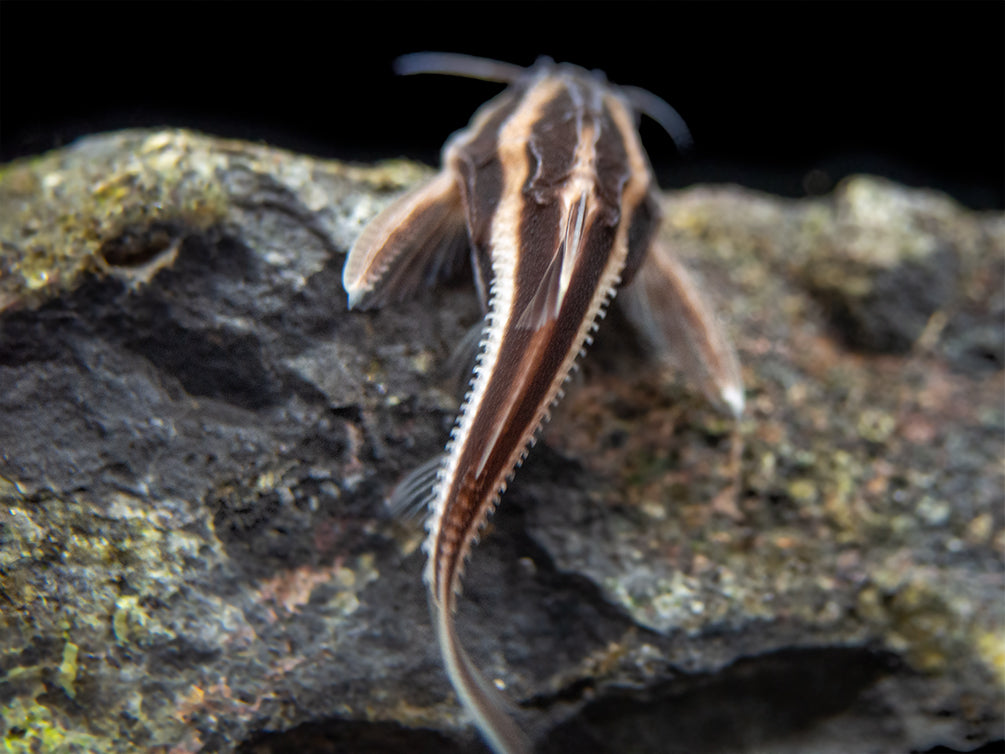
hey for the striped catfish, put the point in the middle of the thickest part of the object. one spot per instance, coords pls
(550, 192)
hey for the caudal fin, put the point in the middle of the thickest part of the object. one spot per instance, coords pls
(480, 698)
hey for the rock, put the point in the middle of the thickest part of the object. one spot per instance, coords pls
(197, 439)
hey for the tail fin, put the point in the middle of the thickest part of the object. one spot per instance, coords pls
(480, 698)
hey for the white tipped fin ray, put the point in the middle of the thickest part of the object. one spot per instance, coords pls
(666, 305)
(419, 239)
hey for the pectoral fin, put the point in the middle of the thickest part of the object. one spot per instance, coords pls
(416, 241)
(666, 305)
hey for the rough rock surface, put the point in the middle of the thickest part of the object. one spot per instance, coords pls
(196, 440)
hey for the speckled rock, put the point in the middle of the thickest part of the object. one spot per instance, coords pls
(197, 438)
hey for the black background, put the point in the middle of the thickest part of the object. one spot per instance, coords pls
(788, 98)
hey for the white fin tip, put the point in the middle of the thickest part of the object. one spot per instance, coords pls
(732, 396)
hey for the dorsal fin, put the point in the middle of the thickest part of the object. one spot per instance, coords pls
(547, 300)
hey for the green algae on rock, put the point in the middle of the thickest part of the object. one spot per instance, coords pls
(196, 442)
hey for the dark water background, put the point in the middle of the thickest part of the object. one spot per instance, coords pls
(787, 98)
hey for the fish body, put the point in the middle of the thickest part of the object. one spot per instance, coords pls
(550, 192)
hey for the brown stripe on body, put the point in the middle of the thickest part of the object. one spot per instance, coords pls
(518, 393)
(612, 164)
(523, 382)
(641, 202)
(643, 224)
(522, 375)
(551, 147)
(474, 155)
(458, 507)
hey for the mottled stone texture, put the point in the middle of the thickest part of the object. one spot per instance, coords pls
(196, 440)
